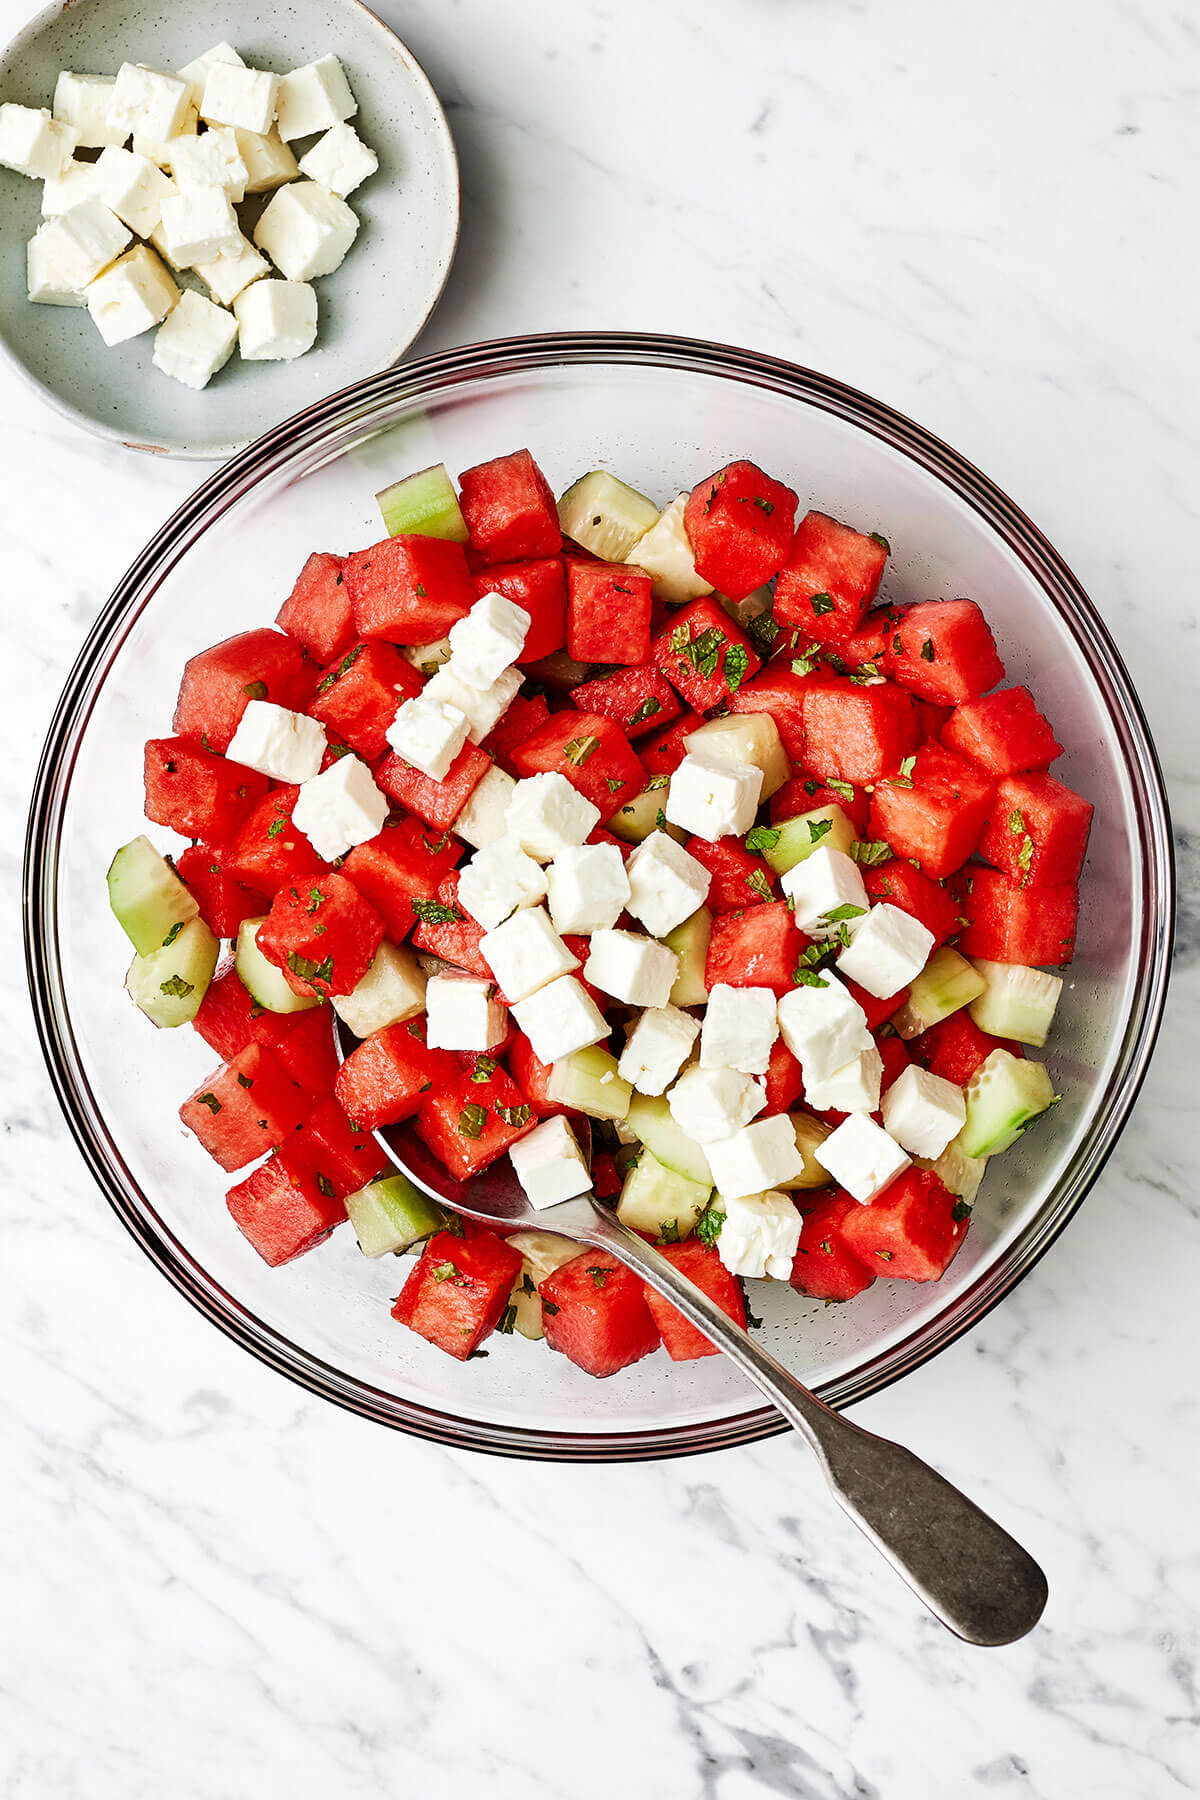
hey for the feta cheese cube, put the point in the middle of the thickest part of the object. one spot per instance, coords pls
(923, 1112)
(560, 1019)
(45, 284)
(657, 1048)
(489, 639)
(739, 1029)
(631, 968)
(82, 102)
(497, 881)
(213, 160)
(195, 73)
(588, 887)
(340, 160)
(549, 1164)
(483, 820)
(861, 1157)
(287, 746)
(228, 275)
(314, 98)
(823, 1027)
(32, 143)
(425, 732)
(193, 342)
(198, 223)
(305, 231)
(713, 798)
(760, 1235)
(391, 992)
(710, 1104)
(79, 244)
(147, 102)
(759, 1156)
(826, 891)
(158, 150)
(463, 1013)
(277, 320)
(547, 815)
(854, 1088)
(340, 808)
(525, 953)
(132, 187)
(74, 183)
(236, 95)
(666, 885)
(887, 949)
(133, 296)
(269, 162)
(482, 707)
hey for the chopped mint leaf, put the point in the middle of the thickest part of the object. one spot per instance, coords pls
(877, 537)
(472, 1119)
(870, 852)
(599, 1275)
(211, 1101)
(645, 711)
(326, 1186)
(817, 829)
(485, 1068)
(761, 838)
(821, 603)
(177, 986)
(760, 882)
(257, 690)
(737, 661)
(172, 935)
(433, 912)
(837, 914)
(927, 650)
(708, 1225)
(516, 1116)
(579, 749)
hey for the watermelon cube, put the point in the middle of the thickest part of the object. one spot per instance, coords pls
(458, 1290)
(403, 866)
(1003, 732)
(704, 1269)
(219, 684)
(520, 720)
(911, 1231)
(444, 928)
(854, 733)
(509, 509)
(267, 851)
(663, 753)
(437, 802)
(595, 1314)
(739, 878)
(830, 578)
(825, 1267)
(804, 793)
(245, 1109)
(357, 696)
(226, 1015)
(539, 586)
(468, 1123)
(281, 1211)
(197, 793)
(303, 1045)
(592, 753)
(409, 589)
(780, 692)
(704, 654)
(387, 1076)
(1015, 924)
(739, 525)
(223, 902)
(639, 700)
(608, 612)
(532, 1076)
(784, 1079)
(955, 1048)
(936, 813)
(336, 1150)
(1037, 833)
(893, 1053)
(943, 650)
(878, 1009)
(914, 892)
(323, 937)
(317, 612)
(756, 948)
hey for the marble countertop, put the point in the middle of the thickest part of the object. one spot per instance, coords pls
(211, 1582)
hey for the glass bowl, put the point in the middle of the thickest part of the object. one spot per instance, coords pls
(660, 412)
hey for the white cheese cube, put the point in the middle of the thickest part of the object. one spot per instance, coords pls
(760, 1235)
(82, 102)
(340, 160)
(277, 320)
(657, 1048)
(133, 187)
(549, 1164)
(482, 707)
(631, 968)
(159, 150)
(287, 746)
(489, 639)
(498, 880)
(759, 1156)
(236, 95)
(32, 143)
(713, 798)
(861, 1157)
(213, 160)
(826, 891)
(314, 98)
(391, 992)
(195, 73)
(228, 275)
(525, 953)
(133, 296)
(560, 1019)
(147, 102)
(666, 885)
(887, 949)
(710, 1104)
(547, 815)
(74, 183)
(463, 1013)
(76, 246)
(425, 732)
(305, 230)
(483, 820)
(739, 1029)
(198, 224)
(823, 1027)
(588, 887)
(854, 1088)
(665, 553)
(923, 1112)
(269, 162)
(44, 282)
(427, 659)
(193, 342)
(340, 808)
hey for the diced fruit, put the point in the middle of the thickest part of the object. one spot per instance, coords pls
(757, 948)
(739, 879)
(962, 1174)
(245, 1109)
(665, 553)
(317, 612)
(946, 983)
(955, 1047)
(266, 983)
(910, 1232)
(592, 753)
(914, 892)
(792, 841)
(1009, 923)
(604, 515)
(745, 738)
(401, 868)
(739, 524)
(337, 1151)
(218, 685)
(281, 1211)
(437, 802)
(663, 753)
(704, 654)
(856, 734)
(635, 821)
(660, 1201)
(830, 578)
(457, 1292)
(811, 1133)
(703, 1267)
(468, 1123)
(944, 651)
(522, 719)
(197, 793)
(323, 937)
(587, 1082)
(304, 1047)
(357, 695)
(934, 811)
(509, 509)
(444, 928)
(170, 983)
(651, 1122)
(423, 505)
(1004, 1097)
(595, 1314)
(826, 1268)
(532, 1076)
(388, 1076)
(268, 851)
(1015, 1002)
(227, 1013)
(639, 700)
(541, 1253)
(147, 898)
(1004, 733)
(1038, 831)
(784, 1079)
(539, 587)
(780, 693)
(409, 589)
(223, 902)
(803, 793)
(608, 612)
(690, 942)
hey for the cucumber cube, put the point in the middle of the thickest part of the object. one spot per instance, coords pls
(266, 984)
(810, 1135)
(541, 1253)
(1016, 1002)
(745, 738)
(391, 1215)
(423, 505)
(638, 818)
(651, 1121)
(147, 898)
(588, 1082)
(1004, 1097)
(660, 1200)
(605, 515)
(793, 841)
(689, 941)
(169, 984)
(946, 984)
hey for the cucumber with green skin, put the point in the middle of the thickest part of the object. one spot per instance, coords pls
(639, 817)
(390, 1215)
(1004, 1097)
(266, 984)
(423, 505)
(661, 1200)
(689, 941)
(946, 984)
(605, 515)
(751, 738)
(650, 1118)
(1016, 1002)
(587, 1081)
(147, 898)
(170, 983)
(824, 828)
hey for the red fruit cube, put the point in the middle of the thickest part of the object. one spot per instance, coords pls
(337, 1151)
(784, 1079)
(468, 1123)
(303, 1045)
(704, 654)
(540, 587)
(267, 852)
(608, 612)
(245, 1109)
(781, 693)
(519, 721)
(459, 1289)
(606, 1177)
(317, 612)
(281, 1211)
(804, 793)
(757, 948)
(864, 649)
(595, 1314)
(955, 1048)
(854, 733)
(387, 1076)
(226, 1013)
(223, 902)
(219, 684)
(915, 893)
(639, 700)
(878, 1009)
(409, 589)
(592, 753)
(911, 1231)
(532, 1076)
(509, 509)
(357, 696)
(739, 524)
(402, 867)
(663, 753)
(825, 1267)
(705, 1270)
(830, 578)
(1038, 831)
(446, 929)
(943, 650)
(196, 793)
(1010, 923)
(936, 813)
(739, 878)
(437, 802)
(323, 937)
(1003, 732)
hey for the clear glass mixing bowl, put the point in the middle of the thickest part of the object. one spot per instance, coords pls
(660, 412)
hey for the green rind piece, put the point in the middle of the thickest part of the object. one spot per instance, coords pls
(423, 505)
(390, 1215)
(650, 1120)
(1004, 1097)
(689, 941)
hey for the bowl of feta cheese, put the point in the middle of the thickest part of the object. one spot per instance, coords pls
(212, 217)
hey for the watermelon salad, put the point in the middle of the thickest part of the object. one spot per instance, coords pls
(589, 810)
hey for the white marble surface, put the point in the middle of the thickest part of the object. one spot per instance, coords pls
(214, 1586)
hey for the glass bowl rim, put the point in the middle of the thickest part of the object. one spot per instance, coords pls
(423, 378)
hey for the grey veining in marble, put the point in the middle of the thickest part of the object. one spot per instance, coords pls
(215, 1587)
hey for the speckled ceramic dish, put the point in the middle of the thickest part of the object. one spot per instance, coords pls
(371, 309)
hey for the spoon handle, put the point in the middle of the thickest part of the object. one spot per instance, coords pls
(967, 1569)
